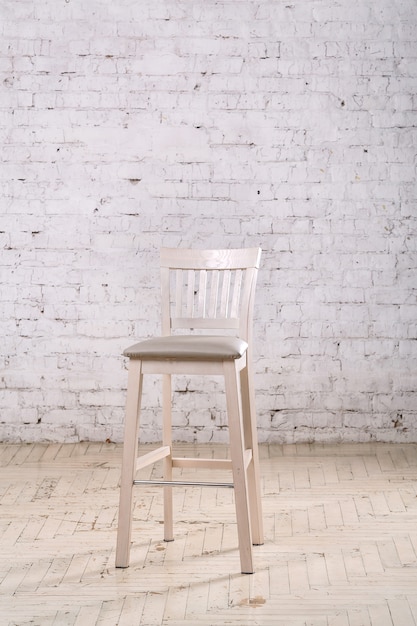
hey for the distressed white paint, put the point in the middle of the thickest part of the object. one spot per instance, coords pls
(127, 126)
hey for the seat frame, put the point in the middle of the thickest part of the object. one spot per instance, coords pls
(231, 311)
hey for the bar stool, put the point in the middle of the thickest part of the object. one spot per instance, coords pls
(207, 297)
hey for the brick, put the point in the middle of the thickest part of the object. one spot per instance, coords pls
(292, 128)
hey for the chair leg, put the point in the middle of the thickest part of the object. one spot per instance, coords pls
(167, 463)
(251, 441)
(130, 450)
(233, 402)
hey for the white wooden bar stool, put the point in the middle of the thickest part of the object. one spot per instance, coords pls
(210, 292)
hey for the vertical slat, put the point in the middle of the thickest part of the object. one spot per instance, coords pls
(166, 303)
(202, 289)
(190, 293)
(214, 293)
(224, 302)
(234, 311)
(178, 293)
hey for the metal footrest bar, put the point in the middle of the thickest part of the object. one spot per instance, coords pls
(180, 483)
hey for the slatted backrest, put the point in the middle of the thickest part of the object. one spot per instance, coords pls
(208, 289)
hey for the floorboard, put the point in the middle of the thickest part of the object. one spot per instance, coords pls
(340, 547)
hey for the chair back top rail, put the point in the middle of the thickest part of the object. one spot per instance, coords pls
(182, 258)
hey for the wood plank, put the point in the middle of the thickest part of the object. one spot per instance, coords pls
(340, 551)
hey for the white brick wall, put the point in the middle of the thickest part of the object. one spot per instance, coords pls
(126, 125)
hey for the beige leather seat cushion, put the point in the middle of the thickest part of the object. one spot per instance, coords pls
(188, 347)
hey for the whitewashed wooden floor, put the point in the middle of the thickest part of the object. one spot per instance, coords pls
(340, 549)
